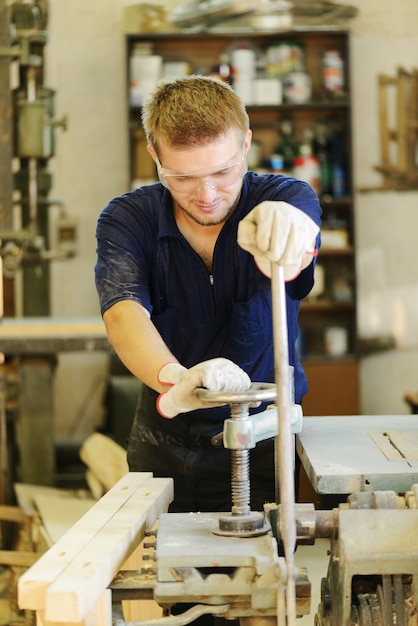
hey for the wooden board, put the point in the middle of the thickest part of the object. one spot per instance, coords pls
(60, 514)
(47, 335)
(27, 493)
(68, 581)
(344, 454)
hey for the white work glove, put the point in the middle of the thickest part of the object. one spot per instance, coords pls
(279, 232)
(216, 375)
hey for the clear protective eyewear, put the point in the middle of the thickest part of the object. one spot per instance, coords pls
(223, 176)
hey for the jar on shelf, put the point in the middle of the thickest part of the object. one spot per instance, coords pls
(336, 341)
(297, 87)
(243, 62)
(333, 73)
(284, 57)
(145, 69)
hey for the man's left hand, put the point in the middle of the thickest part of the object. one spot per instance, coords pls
(278, 232)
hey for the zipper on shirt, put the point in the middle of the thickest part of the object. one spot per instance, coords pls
(211, 279)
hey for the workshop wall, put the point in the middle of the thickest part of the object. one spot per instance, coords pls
(384, 39)
(86, 65)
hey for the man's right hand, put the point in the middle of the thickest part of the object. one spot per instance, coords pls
(215, 375)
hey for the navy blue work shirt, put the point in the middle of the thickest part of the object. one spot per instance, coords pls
(142, 256)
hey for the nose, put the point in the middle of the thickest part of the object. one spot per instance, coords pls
(206, 192)
(208, 184)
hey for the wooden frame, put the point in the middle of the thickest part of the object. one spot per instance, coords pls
(398, 125)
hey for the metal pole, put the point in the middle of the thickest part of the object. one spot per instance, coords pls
(285, 489)
(6, 187)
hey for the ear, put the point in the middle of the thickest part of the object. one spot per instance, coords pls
(152, 153)
(247, 141)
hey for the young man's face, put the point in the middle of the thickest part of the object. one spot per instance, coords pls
(205, 181)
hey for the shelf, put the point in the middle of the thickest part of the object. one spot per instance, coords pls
(227, 30)
(325, 305)
(348, 251)
(336, 202)
(201, 51)
(324, 359)
(312, 105)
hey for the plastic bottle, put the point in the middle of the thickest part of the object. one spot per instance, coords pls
(287, 146)
(306, 167)
(321, 149)
(277, 163)
(339, 170)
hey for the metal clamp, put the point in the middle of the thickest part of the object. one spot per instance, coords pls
(242, 521)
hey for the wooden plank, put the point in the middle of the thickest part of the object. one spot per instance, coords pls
(103, 611)
(60, 514)
(100, 615)
(412, 126)
(402, 135)
(27, 493)
(384, 81)
(47, 335)
(79, 586)
(33, 584)
(18, 558)
(39, 327)
(9, 513)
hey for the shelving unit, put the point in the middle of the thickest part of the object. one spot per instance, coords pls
(335, 306)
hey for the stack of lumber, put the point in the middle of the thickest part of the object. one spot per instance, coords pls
(69, 582)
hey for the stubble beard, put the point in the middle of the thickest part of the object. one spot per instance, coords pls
(209, 222)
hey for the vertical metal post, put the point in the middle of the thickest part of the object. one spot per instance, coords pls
(285, 489)
(6, 186)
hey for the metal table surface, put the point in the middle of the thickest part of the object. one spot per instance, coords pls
(344, 454)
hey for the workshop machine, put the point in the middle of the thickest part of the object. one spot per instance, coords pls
(240, 565)
(34, 228)
(235, 564)
(28, 124)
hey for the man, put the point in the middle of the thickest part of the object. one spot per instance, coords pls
(182, 275)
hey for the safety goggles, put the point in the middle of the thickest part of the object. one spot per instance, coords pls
(223, 176)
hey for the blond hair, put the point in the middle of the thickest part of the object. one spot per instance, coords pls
(191, 111)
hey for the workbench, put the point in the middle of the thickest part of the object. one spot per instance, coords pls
(48, 335)
(344, 454)
(35, 343)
